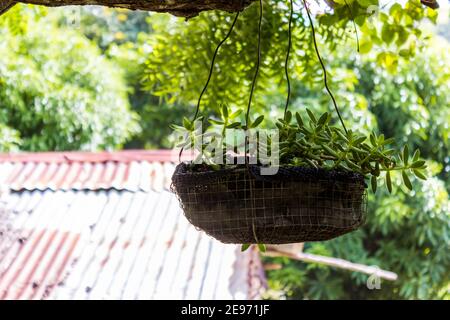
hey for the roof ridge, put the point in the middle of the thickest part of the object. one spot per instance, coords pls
(125, 156)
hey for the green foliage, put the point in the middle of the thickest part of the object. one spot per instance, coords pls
(315, 143)
(412, 104)
(261, 247)
(400, 89)
(57, 92)
(105, 26)
(123, 37)
(312, 143)
(214, 145)
(394, 31)
(192, 44)
(9, 139)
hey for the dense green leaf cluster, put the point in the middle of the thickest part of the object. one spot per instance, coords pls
(312, 143)
(315, 143)
(57, 92)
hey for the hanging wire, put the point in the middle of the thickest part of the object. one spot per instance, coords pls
(286, 65)
(211, 69)
(258, 62)
(325, 80)
(212, 64)
(354, 25)
(247, 123)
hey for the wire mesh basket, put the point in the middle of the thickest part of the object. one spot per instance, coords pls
(297, 204)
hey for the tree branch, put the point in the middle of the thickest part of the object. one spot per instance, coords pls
(5, 6)
(182, 8)
(333, 262)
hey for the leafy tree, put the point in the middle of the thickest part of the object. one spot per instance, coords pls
(123, 37)
(419, 112)
(156, 115)
(192, 43)
(106, 26)
(57, 92)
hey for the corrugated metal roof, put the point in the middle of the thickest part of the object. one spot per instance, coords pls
(122, 170)
(109, 236)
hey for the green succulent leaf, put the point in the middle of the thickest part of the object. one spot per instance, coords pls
(406, 180)
(373, 140)
(262, 247)
(377, 169)
(405, 154)
(330, 151)
(218, 122)
(419, 174)
(373, 182)
(341, 135)
(359, 140)
(388, 141)
(288, 117)
(388, 181)
(257, 122)
(245, 246)
(234, 125)
(323, 119)
(235, 114)
(311, 115)
(177, 128)
(416, 155)
(311, 163)
(187, 124)
(299, 119)
(351, 164)
(225, 111)
(418, 164)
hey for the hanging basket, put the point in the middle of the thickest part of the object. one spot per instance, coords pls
(297, 204)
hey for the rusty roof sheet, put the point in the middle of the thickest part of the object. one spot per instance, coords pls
(100, 237)
(122, 170)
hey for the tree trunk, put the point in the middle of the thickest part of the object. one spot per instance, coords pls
(182, 8)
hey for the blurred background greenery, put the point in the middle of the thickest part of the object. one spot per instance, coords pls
(96, 78)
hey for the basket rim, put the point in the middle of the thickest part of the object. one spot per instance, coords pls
(285, 173)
